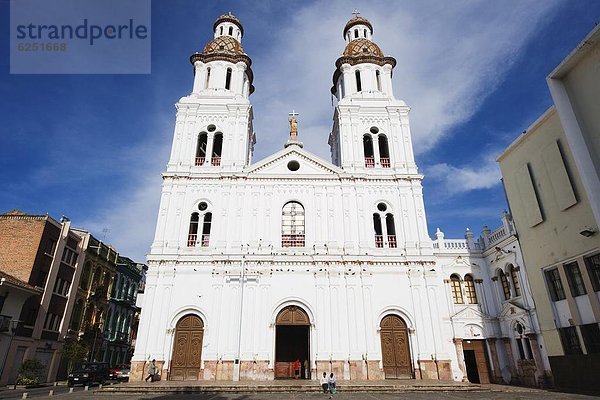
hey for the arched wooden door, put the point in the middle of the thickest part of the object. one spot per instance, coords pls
(292, 343)
(187, 349)
(395, 348)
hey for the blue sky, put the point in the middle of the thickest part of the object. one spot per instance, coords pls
(92, 146)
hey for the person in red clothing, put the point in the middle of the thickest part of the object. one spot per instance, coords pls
(297, 369)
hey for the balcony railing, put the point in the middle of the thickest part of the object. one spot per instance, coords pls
(199, 161)
(369, 162)
(215, 161)
(385, 162)
(292, 240)
(379, 241)
(193, 240)
(392, 241)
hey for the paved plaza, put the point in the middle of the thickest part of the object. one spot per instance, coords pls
(489, 392)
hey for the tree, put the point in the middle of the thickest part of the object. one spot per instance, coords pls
(74, 352)
(29, 372)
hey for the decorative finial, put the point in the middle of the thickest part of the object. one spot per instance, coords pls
(293, 129)
(356, 13)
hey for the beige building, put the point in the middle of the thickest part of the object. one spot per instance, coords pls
(552, 181)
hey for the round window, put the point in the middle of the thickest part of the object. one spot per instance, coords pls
(293, 165)
(374, 129)
(211, 128)
(381, 207)
(202, 206)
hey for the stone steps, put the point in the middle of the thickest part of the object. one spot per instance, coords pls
(270, 387)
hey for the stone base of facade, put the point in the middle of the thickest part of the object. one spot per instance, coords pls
(259, 370)
(430, 369)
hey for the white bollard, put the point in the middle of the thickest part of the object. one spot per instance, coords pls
(70, 390)
(24, 395)
(51, 393)
(86, 387)
(55, 383)
(100, 386)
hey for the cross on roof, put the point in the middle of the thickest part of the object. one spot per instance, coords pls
(293, 113)
(355, 13)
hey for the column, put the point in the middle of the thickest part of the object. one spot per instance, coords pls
(539, 364)
(491, 342)
(460, 356)
(511, 359)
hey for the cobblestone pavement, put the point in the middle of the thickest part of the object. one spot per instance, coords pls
(497, 393)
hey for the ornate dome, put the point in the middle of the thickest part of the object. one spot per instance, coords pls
(362, 48)
(229, 17)
(223, 44)
(357, 20)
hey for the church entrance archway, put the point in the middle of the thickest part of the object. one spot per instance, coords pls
(395, 348)
(187, 349)
(292, 342)
(476, 363)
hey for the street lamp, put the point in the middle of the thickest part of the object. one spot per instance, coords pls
(13, 329)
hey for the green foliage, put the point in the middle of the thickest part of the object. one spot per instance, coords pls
(29, 372)
(74, 353)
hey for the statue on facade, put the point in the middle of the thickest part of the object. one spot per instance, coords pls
(293, 126)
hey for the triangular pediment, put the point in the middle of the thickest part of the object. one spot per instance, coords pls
(470, 313)
(511, 309)
(293, 156)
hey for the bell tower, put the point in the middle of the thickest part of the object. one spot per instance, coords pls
(371, 132)
(213, 131)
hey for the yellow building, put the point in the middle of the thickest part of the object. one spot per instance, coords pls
(551, 175)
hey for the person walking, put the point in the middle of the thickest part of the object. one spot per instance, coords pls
(306, 370)
(324, 382)
(152, 370)
(331, 383)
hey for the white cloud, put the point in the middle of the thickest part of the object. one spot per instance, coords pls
(484, 174)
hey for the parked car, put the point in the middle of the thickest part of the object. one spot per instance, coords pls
(120, 372)
(89, 373)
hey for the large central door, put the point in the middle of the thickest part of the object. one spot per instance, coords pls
(292, 343)
(395, 348)
(476, 362)
(187, 349)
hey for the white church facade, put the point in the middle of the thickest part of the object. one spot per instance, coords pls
(258, 267)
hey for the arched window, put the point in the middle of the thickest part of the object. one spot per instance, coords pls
(217, 148)
(221, 31)
(355, 33)
(108, 321)
(457, 296)
(523, 344)
(470, 289)
(207, 77)
(206, 229)
(115, 287)
(391, 231)
(231, 31)
(201, 148)
(515, 280)
(365, 33)
(292, 225)
(96, 278)
(378, 79)
(85, 277)
(76, 318)
(378, 230)
(228, 79)
(384, 151)
(504, 283)
(358, 83)
(368, 149)
(193, 232)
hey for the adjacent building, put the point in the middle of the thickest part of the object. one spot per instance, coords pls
(42, 257)
(551, 175)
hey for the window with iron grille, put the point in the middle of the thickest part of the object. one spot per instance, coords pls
(470, 289)
(505, 284)
(593, 267)
(591, 337)
(292, 225)
(570, 340)
(557, 292)
(575, 279)
(457, 296)
(515, 280)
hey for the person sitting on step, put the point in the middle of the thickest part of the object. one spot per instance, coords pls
(324, 383)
